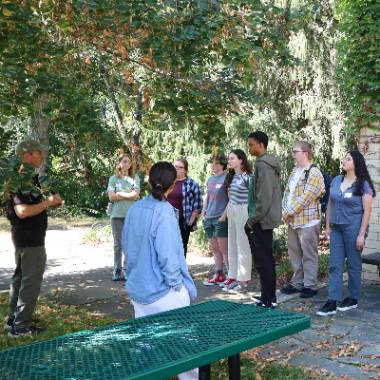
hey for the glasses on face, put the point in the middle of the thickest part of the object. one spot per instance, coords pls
(297, 151)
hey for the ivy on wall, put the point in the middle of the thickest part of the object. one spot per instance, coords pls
(358, 71)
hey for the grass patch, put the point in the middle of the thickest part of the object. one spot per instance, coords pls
(58, 319)
(98, 233)
(271, 371)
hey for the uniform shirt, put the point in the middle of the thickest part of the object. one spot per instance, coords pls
(345, 206)
(238, 190)
(120, 208)
(31, 231)
(217, 197)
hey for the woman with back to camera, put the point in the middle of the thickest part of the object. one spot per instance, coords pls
(186, 197)
(123, 189)
(347, 218)
(158, 277)
(239, 252)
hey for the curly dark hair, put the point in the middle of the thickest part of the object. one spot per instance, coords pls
(245, 166)
(361, 173)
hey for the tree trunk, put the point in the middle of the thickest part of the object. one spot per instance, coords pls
(120, 126)
(40, 128)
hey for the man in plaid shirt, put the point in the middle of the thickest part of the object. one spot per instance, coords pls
(301, 210)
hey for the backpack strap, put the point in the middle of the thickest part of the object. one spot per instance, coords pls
(307, 172)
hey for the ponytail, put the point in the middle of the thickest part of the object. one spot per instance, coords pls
(161, 176)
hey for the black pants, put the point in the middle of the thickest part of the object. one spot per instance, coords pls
(185, 233)
(260, 242)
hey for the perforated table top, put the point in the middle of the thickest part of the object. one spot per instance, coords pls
(153, 347)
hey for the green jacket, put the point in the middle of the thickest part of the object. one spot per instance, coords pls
(264, 194)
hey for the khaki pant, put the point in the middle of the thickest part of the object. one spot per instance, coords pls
(26, 283)
(303, 255)
(239, 252)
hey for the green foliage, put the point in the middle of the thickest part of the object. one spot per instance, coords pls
(179, 77)
(18, 177)
(359, 55)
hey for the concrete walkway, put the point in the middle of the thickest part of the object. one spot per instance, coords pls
(346, 346)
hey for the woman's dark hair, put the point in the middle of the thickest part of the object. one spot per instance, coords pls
(245, 166)
(161, 176)
(361, 173)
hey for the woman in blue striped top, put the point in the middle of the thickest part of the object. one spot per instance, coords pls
(239, 253)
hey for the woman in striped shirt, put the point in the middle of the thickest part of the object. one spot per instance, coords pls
(239, 253)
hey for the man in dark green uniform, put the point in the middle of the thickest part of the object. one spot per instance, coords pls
(28, 218)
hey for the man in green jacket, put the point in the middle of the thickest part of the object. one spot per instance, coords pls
(264, 214)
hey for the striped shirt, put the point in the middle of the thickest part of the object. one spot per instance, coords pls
(238, 190)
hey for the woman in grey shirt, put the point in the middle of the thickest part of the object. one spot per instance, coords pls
(213, 208)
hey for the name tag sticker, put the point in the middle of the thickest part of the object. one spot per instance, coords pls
(347, 195)
(218, 185)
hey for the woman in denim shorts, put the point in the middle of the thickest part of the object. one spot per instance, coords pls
(347, 217)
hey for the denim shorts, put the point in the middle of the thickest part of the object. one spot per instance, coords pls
(214, 228)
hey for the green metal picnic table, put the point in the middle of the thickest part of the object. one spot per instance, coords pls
(154, 347)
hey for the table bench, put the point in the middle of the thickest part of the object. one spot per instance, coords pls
(373, 259)
(154, 347)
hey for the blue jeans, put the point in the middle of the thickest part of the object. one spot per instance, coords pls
(343, 246)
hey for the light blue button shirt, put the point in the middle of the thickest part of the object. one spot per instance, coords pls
(153, 244)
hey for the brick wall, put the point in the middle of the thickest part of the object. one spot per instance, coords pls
(369, 145)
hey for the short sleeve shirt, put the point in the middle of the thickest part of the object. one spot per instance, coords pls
(345, 206)
(31, 231)
(217, 197)
(120, 208)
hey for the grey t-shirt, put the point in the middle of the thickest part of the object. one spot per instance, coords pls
(217, 197)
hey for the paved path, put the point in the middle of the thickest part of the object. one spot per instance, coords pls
(346, 346)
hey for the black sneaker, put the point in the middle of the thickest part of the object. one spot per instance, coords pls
(329, 308)
(308, 293)
(118, 275)
(348, 304)
(9, 324)
(289, 289)
(267, 304)
(17, 331)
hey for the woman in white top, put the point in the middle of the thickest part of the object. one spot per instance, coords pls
(239, 253)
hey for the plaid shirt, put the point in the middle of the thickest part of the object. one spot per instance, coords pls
(305, 203)
(191, 198)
